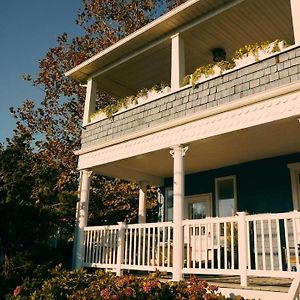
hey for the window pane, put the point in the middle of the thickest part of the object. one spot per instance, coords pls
(226, 207)
(169, 205)
(197, 210)
(226, 197)
(225, 189)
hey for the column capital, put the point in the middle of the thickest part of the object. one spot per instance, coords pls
(179, 148)
(142, 184)
(175, 35)
(87, 172)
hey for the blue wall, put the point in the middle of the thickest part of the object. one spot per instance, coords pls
(262, 186)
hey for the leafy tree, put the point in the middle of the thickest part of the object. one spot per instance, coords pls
(38, 177)
(57, 118)
(34, 213)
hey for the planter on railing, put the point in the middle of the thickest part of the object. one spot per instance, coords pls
(252, 53)
(130, 102)
(242, 57)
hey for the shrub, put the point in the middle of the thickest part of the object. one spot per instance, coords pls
(79, 284)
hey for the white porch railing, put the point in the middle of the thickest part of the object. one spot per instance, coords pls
(244, 245)
(148, 246)
(145, 246)
(211, 245)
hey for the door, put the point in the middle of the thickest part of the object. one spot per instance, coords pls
(197, 207)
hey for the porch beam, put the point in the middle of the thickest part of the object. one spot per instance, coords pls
(142, 202)
(84, 193)
(178, 153)
(295, 8)
(178, 62)
(90, 100)
(129, 173)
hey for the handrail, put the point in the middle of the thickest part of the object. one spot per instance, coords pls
(293, 293)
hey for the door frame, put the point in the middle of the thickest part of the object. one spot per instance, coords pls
(295, 185)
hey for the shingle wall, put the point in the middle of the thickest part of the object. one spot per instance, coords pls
(275, 71)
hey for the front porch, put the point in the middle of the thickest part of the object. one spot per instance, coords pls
(263, 245)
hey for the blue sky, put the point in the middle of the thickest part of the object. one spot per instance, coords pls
(28, 28)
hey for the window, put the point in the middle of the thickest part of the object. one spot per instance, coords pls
(169, 205)
(225, 189)
(295, 182)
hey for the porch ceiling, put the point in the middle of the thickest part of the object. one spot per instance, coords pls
(258, 142)
(143, 58)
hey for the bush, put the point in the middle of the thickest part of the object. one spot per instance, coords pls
(79, 284)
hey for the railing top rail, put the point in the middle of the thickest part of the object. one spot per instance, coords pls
(210, 220)
(150, 225)
(107, 227)
(141, 225)
(272, 216)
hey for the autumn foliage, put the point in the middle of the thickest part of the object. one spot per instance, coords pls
(38, 168)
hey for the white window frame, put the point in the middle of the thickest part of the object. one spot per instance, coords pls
(294, 171)
(207, 197)
(234, 191)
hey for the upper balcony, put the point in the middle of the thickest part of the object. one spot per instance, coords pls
(216, 93)
(175, 45)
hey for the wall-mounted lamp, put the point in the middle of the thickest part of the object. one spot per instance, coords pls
(219, 54)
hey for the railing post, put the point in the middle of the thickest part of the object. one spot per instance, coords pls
(120, 250)
(242, 247)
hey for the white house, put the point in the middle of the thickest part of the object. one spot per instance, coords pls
(224, 148)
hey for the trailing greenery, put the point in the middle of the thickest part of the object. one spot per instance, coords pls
(224, 65)
(113, 108)
(79, 284)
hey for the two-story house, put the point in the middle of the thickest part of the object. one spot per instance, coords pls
(224, 147)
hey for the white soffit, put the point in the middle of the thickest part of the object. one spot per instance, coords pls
(263, 112)
(165, 25)
(204, 25)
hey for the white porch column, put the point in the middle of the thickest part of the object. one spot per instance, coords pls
(90, 100)
(84, 192)
(142, 202)
(177, 62)
(295, 7)
(178, 191)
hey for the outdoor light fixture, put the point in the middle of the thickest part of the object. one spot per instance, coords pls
(219, 54)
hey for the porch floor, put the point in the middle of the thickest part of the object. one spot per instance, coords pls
(255, 283)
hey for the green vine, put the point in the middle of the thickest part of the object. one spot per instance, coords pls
(113, 108)
(224, 65)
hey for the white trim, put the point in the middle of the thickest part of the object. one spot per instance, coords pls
(295, 185)
(234, 192)
(295, 9)
(247, 101)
